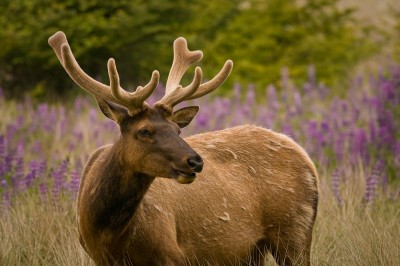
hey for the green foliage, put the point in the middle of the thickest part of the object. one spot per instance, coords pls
(260, 36)
(266, 36)
(137, 33)
(396, 16)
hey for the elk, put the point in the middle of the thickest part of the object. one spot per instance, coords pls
(252, 190)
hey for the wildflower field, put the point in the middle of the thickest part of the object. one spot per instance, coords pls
(353, 138)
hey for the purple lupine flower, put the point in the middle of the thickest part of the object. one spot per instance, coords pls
(77, 134)
(158, 93)
(288, 130)
(19, 152)
(251, 95)
(71, 146)
(311, 130)
(338, 146)
(4, 184)
(63, 126)
(96, 133)
(11, 131)
(62, 172)
(221, 108)
(3, 155)
(75, 181)
(387, 89)
(359, 144)
(355, 114)
(384, 182)
(202, 120)
(325, 133)
(6, 200)
(397, 153)
(237, 89)
(111, 127)
(78, 165)
(34, 168)
(63, 167)
(3, 148)
(62, 112)
(297, 102)
(36, 148)
(334, 110)
(43, 190)
(43, 110)
(7, 166)
(264, 118)
(307, 88)
(42, 169)
(323, 91)
(78, 104)
(372, 182)
(59, 176)
(93, 115)
(272, 98)
(17, 178)
(243, 114)
(50, 121)
(335, 187)
(57, 183)
(373, 132)
(386, 128)
(29, 178)
(19, 122)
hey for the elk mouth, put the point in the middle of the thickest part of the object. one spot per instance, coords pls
(183, 177)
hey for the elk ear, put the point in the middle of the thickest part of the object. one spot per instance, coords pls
(184, 116)
(112, 111)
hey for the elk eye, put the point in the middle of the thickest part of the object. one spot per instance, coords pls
(145, 133)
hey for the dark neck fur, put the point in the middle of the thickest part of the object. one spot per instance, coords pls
(117, 196)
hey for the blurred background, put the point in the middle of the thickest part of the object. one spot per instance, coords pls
(324, 72)
(261, 37)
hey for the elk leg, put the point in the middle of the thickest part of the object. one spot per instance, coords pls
(258, 253)
(291, 253)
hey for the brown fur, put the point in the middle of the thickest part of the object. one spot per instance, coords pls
(257, 193)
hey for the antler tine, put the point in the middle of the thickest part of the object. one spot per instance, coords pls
(134, 102)
(183, 58)
(179, 94)
(213, 84)
(61, 47)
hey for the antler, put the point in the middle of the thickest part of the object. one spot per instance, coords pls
(133, 101)
(183, 58)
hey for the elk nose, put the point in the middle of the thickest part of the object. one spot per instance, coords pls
(195, 163)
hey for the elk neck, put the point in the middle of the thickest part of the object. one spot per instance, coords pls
(118, 194)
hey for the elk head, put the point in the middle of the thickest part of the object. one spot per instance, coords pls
(149, 143)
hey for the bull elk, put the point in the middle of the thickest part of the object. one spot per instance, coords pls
(256, 191)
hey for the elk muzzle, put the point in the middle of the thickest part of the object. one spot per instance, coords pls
(193, 164)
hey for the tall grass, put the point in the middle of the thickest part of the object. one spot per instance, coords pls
(355, 234)
(354, 140)
(38, 231)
